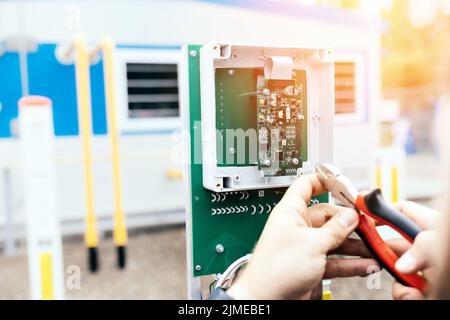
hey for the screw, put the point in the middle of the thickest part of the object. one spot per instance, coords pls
(193, 53)
(231, 72)
(316, 117)
(236, 177)
(198, 268)
(220, 248)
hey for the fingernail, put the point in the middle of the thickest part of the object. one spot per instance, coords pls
(406, 263)
(348, 218)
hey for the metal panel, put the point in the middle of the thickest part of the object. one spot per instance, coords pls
(234, 220)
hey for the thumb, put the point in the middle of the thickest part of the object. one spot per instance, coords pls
(338, 228)
(418, 257)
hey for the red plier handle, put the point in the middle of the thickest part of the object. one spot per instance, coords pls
(374, 206)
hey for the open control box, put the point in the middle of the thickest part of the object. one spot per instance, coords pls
(267, 114)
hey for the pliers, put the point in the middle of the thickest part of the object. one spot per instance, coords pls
(372, 205)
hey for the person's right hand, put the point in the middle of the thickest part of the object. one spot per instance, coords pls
(421, 255)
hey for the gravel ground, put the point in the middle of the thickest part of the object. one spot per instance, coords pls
(156, 269)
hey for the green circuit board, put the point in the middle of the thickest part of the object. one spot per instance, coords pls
(280, 116)
(229, 220)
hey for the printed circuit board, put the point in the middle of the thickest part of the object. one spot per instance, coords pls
(280, 116)
(232, 221)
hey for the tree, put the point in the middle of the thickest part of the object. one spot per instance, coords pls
(410, 53)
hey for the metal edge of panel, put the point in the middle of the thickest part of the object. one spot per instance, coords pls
(193, 283)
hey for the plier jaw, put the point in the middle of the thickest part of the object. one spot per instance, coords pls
(372, 206)
(340, 187)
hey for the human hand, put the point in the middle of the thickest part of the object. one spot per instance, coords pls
(417, 257)
(290, 258)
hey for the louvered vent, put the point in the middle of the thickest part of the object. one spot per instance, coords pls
(345, 87)
(152, 90)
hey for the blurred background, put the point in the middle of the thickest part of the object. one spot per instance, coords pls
(392, 77)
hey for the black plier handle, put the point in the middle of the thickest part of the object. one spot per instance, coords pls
(374, 206)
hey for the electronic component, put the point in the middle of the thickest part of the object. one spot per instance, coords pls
(280, 117)
(224, 89)
(263, 122)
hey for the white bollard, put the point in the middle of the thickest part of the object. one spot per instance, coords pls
(42, 220)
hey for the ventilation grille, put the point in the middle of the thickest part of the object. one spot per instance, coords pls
(152, 90)
(345, 87)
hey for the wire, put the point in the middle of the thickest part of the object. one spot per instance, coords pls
(230, 272)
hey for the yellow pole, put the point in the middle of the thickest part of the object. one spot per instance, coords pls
(378, 175)
(394, 174)
(85, 127)
(45, 260)
(120, 230)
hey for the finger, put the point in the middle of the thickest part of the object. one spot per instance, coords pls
(399, 245)
(304, 188)
(316, 293)
(337, 229)
(320, 213)
(340, 268)
(417, 257)
(423, 216)
(352, 247)
(401, 292)
(376, 222)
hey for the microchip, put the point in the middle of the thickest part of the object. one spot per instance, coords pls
(272, 83)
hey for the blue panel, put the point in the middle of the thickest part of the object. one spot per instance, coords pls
(10, 91)
(49, 78)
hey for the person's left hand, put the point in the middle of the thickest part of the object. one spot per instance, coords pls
(290, 258)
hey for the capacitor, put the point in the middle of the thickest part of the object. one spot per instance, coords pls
(288, 113)
(289, 90)
(280, 114)
(295, 161)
